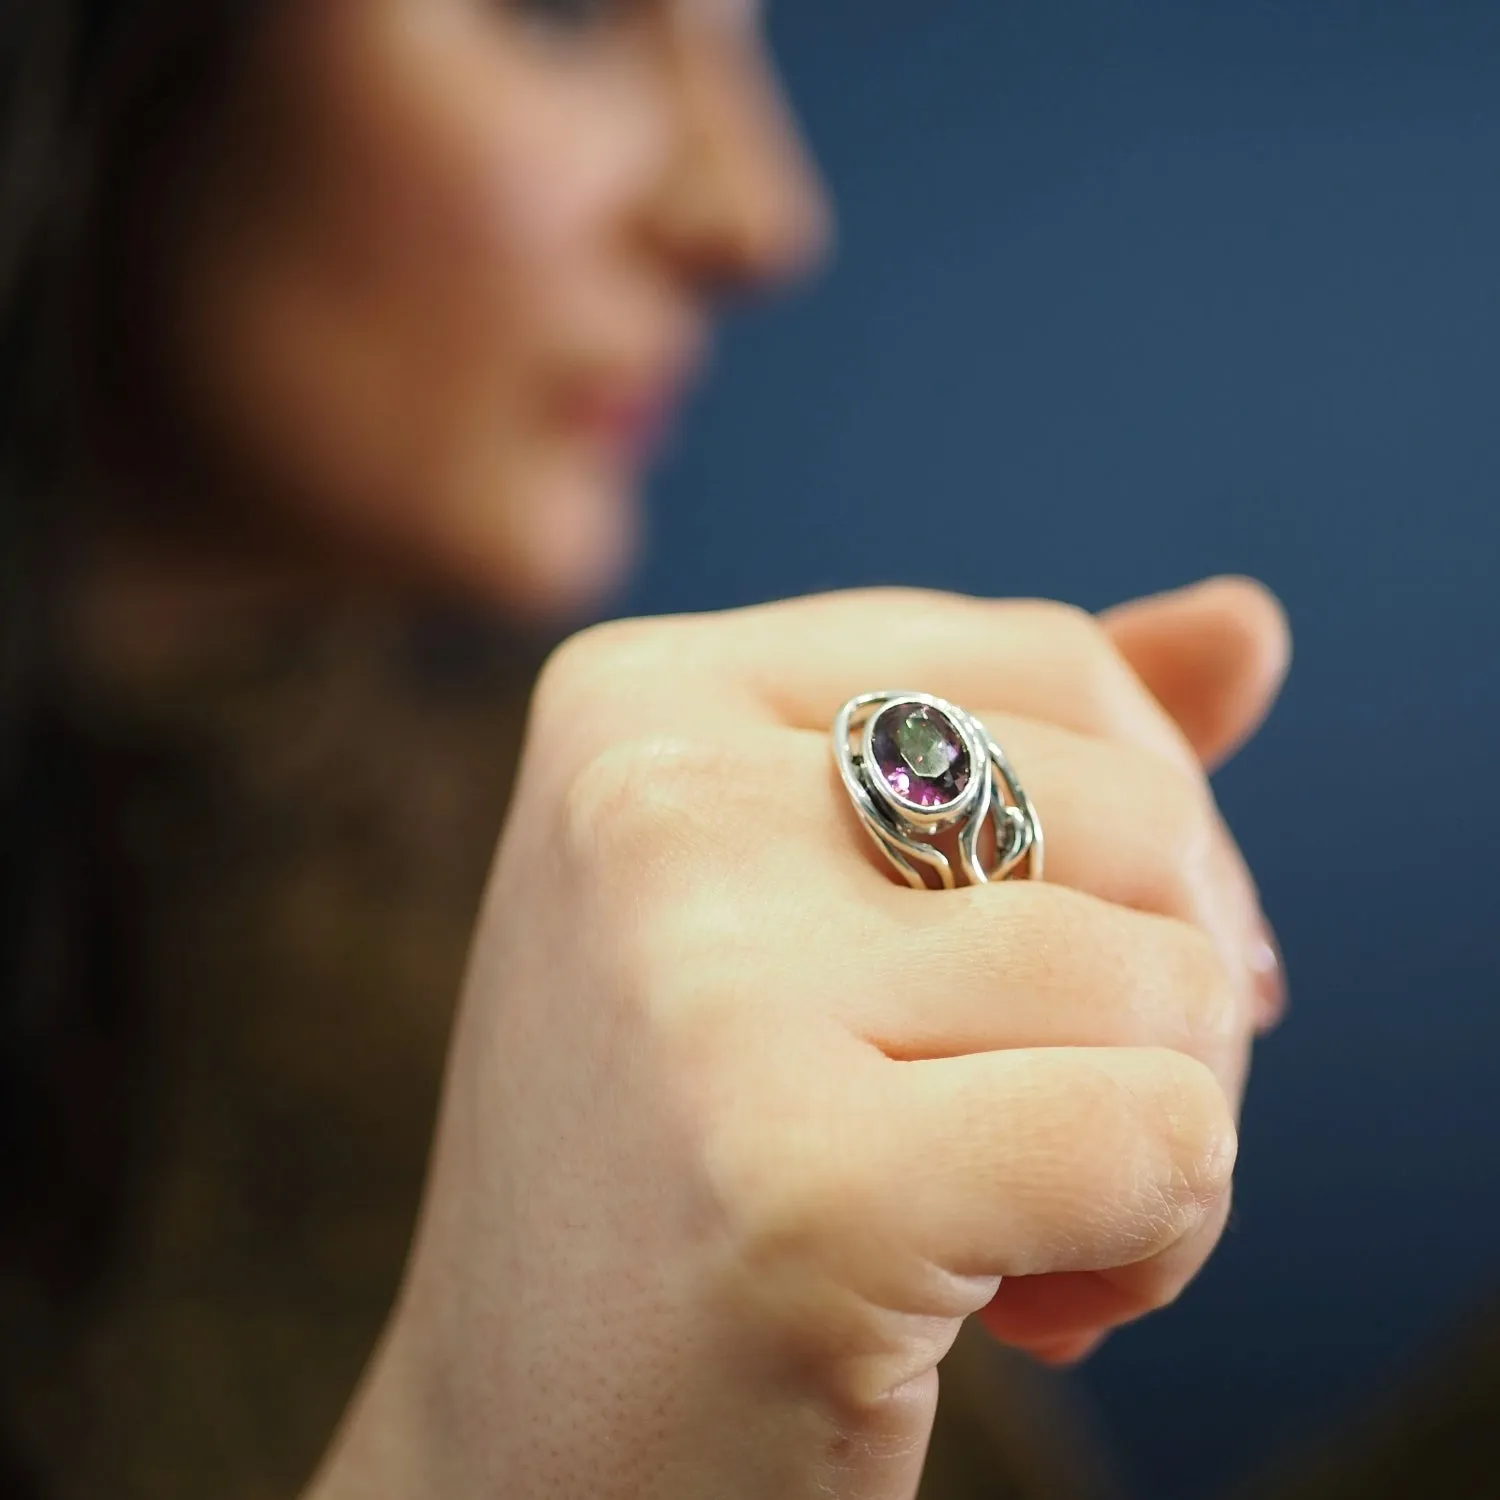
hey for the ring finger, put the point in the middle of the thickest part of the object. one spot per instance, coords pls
(1127, 826)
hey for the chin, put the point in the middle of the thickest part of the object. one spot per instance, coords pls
(561, 557)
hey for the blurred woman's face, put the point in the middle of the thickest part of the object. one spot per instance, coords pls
(455, 265)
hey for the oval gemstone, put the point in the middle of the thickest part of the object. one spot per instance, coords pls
(920, 754)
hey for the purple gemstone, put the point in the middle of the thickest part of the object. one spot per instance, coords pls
(921, 754)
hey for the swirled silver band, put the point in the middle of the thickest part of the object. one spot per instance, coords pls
(884, 743)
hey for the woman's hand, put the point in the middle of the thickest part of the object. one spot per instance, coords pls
(737, 1130)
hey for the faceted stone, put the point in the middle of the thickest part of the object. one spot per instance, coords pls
(920, 753)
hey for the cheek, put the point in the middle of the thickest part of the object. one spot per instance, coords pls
(472, 197)
(444, 218)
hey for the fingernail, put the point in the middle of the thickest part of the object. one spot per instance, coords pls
(1268, 970)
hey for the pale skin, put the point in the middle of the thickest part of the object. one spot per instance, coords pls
(736, 1130)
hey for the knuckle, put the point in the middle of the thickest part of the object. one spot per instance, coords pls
(1071, 623)
(632, 803)
(1179, 811)
(707, 964)
(1171, 1146)
(1109, 1110)
(1203, 992)
(1040, 936)
(1181, 805)
(600, 658)
(909, 597)
(1085, 657)
(576, 659)
(1191, 1117)
(804, 1261)
(1105, 693)
(780, 1201)
(1155, 1284)
(929, 616)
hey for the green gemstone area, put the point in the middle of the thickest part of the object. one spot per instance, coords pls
(920, 754)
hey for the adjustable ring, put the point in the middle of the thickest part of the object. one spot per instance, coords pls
(918, 769)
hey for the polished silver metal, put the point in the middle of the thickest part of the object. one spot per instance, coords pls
(906, 832)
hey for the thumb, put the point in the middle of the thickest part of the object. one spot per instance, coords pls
(1215, 655)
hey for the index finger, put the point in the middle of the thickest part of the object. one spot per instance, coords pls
(801, 660)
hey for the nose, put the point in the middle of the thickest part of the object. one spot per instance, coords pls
(742, 205)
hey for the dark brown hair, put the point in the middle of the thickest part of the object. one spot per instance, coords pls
(92, 94)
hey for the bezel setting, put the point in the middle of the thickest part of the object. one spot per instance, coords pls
(907, 827)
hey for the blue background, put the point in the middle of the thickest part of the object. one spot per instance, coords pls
(1165, 290)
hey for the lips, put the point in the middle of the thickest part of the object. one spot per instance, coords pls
(629, 411)
(634, 421)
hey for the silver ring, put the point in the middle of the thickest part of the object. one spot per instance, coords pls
(918, 768)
